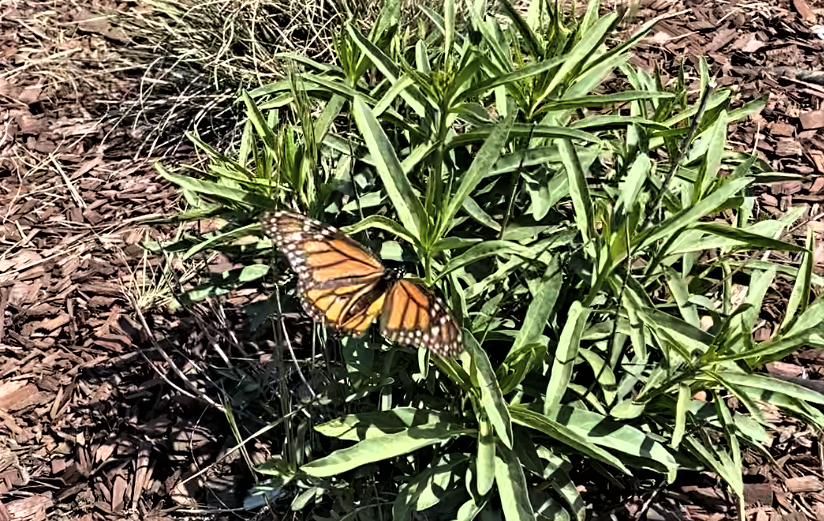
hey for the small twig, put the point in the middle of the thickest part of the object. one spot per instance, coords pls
(72, 190)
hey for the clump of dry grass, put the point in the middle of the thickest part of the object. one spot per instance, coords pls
(234, 41)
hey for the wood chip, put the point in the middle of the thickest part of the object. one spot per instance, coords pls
(804, 484)
(813, 119)
(758, 494)
(804, 10)
(782, 129)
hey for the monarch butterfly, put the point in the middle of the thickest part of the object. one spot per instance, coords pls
(341, 284)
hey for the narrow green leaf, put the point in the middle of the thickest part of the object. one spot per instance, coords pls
(578, 189)
(479, 215)
(603, 373)
(717, 137)
(773, 384)
(599, 100)
(259, 121)
(483, 162)
(811, 317)
(407, 205)
(535, 420)
(357, 427)
(221, 237)
(681, 409)
(512, 486)
(491, 398)
(690, 215)
(540, 309)
(521, 130)
(485, 460)
(720, 464)
(617, 436)
(382, 223)
(216, 190)
(746, 238)
(387, 66)
(481, 251)
(776, 349)
(426, 489)
(631, 185)
(689, 336)
(800, 296)
(565, 353)
(381, 448)
(517, 75)
(582, 51)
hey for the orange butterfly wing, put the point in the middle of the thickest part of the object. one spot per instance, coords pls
(413, 316)
(339, 283)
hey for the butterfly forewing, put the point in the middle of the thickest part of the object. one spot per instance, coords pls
(413, 316)
(335, 274)
(321, 255)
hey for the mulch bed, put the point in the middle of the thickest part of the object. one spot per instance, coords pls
(95, 419)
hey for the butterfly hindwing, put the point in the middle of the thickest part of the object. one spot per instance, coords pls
(413, 316)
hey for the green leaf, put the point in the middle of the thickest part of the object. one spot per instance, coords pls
(540, 309)
(481, 251)
(426, 489)
(518, 363)
(769, 383)
(559, 432)
(617, 436)
(381, 448)
(631, 185)
(213, 189)
(521, 130)
(681, 409)
(800, 296)
(565, 353)
(600, 100)
(485, 459)
(578, 190)
(221, 237)
(687, 335)
(721, 464)
(483, 162)
(811, 317)
(688, 216)
(752, 240)
(717, 138)
(491, 398)
(382, 223)
(388, 67)
(582, 51)
(512, 486)
(257, 119)
(512, 77)
(361, 426)
(406, 204)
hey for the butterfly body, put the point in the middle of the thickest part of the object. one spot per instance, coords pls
(342, 285)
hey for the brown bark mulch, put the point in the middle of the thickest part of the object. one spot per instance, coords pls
(107, 413)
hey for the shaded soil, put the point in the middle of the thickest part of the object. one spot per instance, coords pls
(108, 413)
